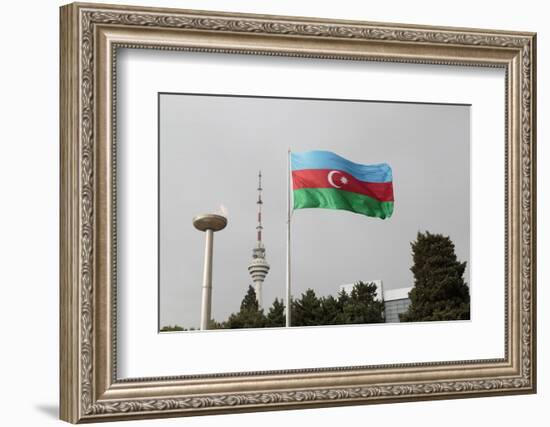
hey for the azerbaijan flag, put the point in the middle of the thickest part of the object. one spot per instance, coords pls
(322, 179)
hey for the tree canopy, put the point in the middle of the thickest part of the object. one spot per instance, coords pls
(276, 314)
(439, 292)
(362, 306)
(249, 316)
(359, 306)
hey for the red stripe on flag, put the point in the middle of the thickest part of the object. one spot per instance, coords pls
(328, 178)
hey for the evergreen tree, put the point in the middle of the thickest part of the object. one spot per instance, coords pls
(359, 306)
(249, 316)
(439, 291)
(213, 324)
(250, 302)
(276, 314)
(362, 306)
(171, 328)
(331, 311)
(343, 300)
(307, 310)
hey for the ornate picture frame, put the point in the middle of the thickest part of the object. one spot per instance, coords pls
(90, 37)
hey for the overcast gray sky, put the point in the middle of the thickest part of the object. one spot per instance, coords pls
(211, 149)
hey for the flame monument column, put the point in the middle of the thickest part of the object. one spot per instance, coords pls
(209, 223)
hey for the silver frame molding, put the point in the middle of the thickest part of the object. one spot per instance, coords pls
(90, 37)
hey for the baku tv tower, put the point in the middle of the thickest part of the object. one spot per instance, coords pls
(259, 267)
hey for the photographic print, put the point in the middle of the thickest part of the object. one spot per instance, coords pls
(303, 212)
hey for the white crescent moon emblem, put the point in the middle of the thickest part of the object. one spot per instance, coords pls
(330, 181)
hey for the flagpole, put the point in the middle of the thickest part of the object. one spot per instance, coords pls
(288, 303)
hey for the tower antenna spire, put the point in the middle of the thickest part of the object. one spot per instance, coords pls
(259, 227)
(259, 267)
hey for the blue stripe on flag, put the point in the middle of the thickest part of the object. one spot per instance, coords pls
(318, 159)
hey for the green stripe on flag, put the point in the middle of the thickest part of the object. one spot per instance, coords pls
(333, 198)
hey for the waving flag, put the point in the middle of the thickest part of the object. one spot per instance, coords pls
(322, 179)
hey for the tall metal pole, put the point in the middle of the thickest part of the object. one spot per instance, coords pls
(209, 223)
(288, 302)
(206, 305)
